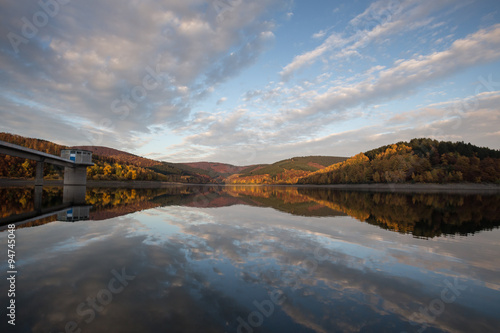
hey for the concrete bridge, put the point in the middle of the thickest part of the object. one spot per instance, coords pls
(74, 161)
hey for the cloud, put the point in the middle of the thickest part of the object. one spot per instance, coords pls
(298, 114)
(120, 74)
(221, 100)
(473, 119)
(119, 80)
(319, 34)
(247, 141)
(308, 58)
(380, 19)
(480, 47)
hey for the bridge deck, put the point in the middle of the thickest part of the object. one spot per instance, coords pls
(32, 154)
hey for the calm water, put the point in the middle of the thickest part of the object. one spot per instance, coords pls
(251, 259)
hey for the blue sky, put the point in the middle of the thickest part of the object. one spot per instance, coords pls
(247, 82)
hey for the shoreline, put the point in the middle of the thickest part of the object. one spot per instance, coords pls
(415, 188)
(383, 187)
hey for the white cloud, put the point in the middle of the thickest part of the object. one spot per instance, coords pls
(381, 19)
(473, 119)
(478, 48)
(221, 100)
(319, 34)
(157, 60)
(308, 58)
(69, 76)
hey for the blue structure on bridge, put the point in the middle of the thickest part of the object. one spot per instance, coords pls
(82, 159)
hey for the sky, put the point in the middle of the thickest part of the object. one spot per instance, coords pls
(247, 82)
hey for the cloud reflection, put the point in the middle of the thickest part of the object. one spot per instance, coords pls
(199, 269)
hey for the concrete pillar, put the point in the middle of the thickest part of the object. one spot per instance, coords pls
(75, 176)
(74, 194)
(38, 198)
(39, 174)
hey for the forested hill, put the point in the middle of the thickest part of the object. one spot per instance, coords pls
(416, 161)
(419, 160)
(14, 167)
(37, 144)
(110, 164)
(120, 156)
(283, 172)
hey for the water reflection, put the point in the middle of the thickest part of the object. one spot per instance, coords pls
(74, 214)
(256, 259)
(424, 215)
(19, 200)
(39, 205)
(421, 214)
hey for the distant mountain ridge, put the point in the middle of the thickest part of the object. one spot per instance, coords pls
(284, 172)
(221, 168)
(211, 169)
(215, 172)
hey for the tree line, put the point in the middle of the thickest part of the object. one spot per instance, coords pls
(417, 161)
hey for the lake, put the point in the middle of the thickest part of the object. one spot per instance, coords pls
(250, 259)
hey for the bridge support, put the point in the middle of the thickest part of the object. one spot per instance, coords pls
(39, 174)
(75, 175)
(38, 198)
(74, 195)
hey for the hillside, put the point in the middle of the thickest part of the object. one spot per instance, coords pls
(284, 172)
(218, 168)
(110, 164)
(196, 172)
(120, 156)
(15, 167)
(217, 172)
(166, 171)
(114, 164)
(418, 161)
(175, 172)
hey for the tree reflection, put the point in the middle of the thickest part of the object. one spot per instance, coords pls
(20, 200)
(423, 215)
